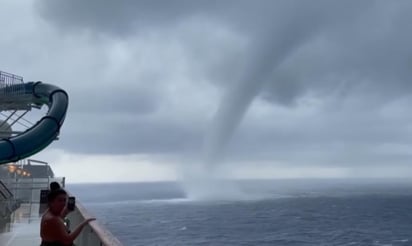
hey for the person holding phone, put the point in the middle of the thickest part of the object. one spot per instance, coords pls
(52, 229)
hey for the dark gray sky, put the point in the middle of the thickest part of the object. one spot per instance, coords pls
(315, 87)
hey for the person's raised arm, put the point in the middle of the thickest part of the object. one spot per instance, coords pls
(61, 233)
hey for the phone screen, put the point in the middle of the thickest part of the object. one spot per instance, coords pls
(71, 203)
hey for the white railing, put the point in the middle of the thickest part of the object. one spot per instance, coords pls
(9, 83)
(94, 234)
(14, 95)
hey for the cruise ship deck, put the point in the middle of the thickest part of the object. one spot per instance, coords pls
(26, 129)
(22, 227)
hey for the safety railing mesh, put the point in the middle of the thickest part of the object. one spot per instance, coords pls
(11, 85)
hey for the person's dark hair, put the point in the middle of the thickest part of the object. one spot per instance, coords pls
(55, 193)
(54, 186)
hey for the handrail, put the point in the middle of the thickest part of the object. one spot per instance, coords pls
(94, 233)
(11, 84)
(106, 237)
(3, 187)
(3, 195)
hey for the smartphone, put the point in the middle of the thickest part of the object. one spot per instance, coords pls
(71, 203)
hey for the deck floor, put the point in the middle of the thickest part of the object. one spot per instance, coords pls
(23, 228)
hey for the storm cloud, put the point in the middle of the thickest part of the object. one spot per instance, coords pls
(289, 82)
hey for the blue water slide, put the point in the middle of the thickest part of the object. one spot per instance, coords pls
(45, 131)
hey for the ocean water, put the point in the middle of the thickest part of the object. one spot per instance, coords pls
(282, 212)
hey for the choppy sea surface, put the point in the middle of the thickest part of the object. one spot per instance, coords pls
(281, 212)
